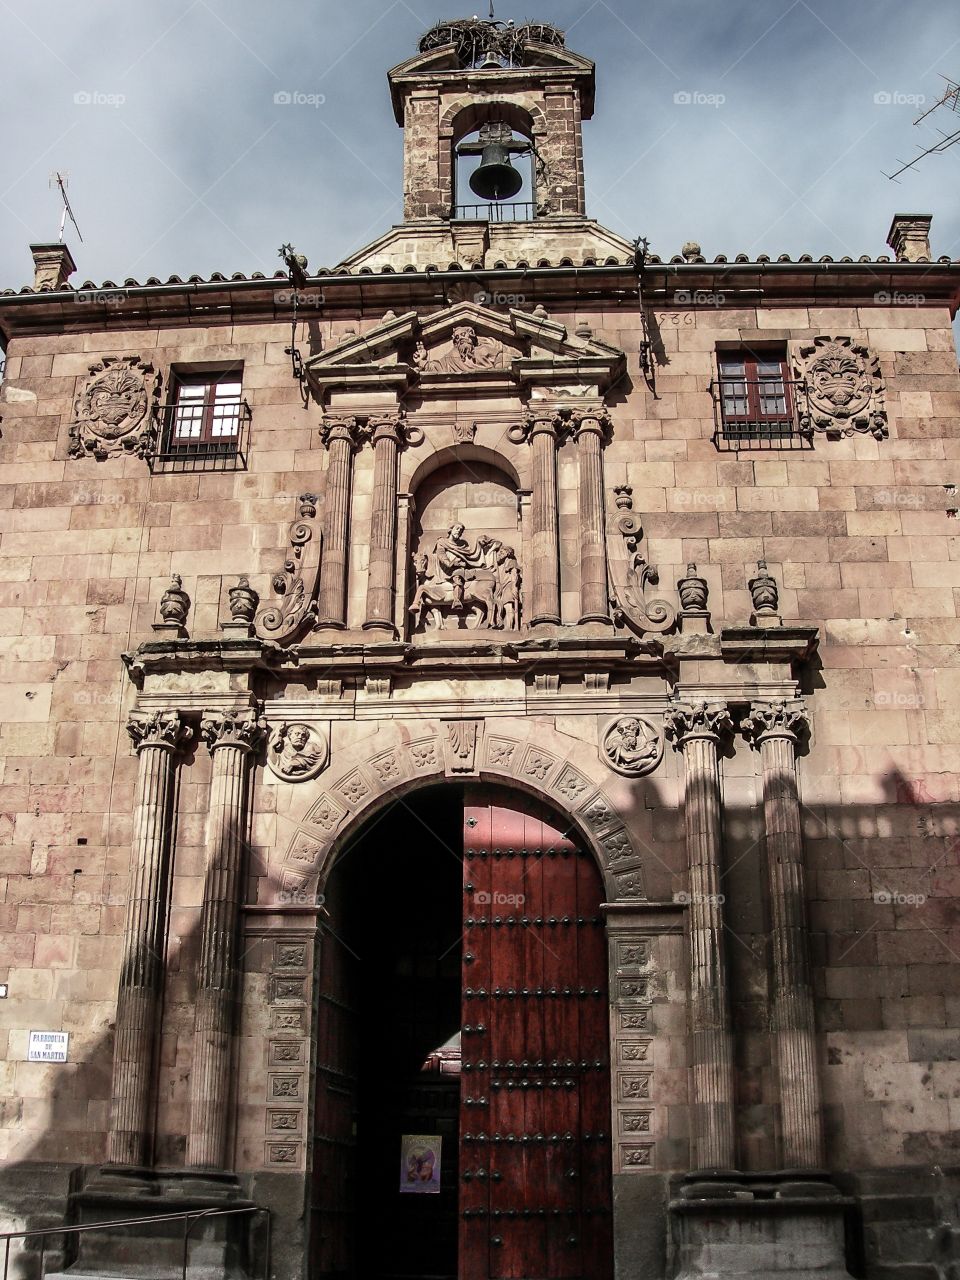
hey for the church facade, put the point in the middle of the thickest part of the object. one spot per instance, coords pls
(480, 752)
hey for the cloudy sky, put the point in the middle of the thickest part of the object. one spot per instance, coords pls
(756, 126)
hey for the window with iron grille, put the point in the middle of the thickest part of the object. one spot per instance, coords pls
(755, 399)
(205, 422)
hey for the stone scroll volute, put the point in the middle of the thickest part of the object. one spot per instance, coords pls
(633, 578)
(297, 580)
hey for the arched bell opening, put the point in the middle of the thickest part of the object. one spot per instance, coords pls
(462, 1032)
(495, 164)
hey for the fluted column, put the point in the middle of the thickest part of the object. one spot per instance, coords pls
(544, 574)
(155, 738)
(696, 731)
(773, 727)
(231, 737)
(388, 436)
(340, 435)
(591, 431)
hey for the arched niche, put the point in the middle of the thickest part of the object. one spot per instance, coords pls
(466, 548)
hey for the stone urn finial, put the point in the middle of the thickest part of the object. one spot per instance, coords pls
(765, 593)
(243, 601)
(693, 590)
(691, 251)
(174, 607)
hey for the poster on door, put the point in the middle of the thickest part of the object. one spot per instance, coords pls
(420, 1163)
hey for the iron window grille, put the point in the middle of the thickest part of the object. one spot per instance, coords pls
(205, 427)
(755, 403)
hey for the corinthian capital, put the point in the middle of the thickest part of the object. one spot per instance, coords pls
(696, 720)
(537, 422)
(159, 729)
(595, 421)
(394, 426)
(348, 429)
(242, 729)
(779, 719)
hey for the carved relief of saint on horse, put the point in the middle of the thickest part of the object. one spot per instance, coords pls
(478, 582)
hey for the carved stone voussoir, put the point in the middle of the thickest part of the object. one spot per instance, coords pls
(297, 752)
(844, 387)
(460, 741)
(631, 746)
(780, 719)
(696, 720)
(242, 729)
(159, 729)
(115, 409)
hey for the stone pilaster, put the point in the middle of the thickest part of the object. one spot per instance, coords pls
(340, 435)
(591, 430)
(155, 738)
(696, 731)
(773, 728)
(542, 430)
(232, 738)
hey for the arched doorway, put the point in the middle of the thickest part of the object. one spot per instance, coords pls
(463, 1027)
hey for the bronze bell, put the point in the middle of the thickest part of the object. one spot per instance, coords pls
(495, 178)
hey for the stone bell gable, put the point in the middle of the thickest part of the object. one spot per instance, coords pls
(468, 75)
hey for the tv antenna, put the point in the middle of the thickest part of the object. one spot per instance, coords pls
(62, 181)
(949, 99)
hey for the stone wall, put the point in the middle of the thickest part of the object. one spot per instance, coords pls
(858, 531)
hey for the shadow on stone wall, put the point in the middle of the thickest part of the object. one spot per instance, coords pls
(883, 887)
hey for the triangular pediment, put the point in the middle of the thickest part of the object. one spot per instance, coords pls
(471, 345)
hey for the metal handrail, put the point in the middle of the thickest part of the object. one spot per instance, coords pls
(496, 211)
(189, 1218)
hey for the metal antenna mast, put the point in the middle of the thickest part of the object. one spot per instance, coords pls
(61, 180)
(950, 99)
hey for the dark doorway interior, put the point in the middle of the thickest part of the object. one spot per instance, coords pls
(389, 1044)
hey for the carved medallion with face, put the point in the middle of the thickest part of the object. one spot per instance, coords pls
(297, 752)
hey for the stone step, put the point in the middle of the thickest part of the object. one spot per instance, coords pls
(905, 1271)
(900, 1208)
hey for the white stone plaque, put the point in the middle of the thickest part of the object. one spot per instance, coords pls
(48, 1046)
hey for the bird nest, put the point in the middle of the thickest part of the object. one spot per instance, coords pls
(474, 39)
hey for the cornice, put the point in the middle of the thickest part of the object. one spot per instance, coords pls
(201, 303)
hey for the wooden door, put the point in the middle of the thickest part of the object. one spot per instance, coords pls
(535, 1189)
(334, 1183)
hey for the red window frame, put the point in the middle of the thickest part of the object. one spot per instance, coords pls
(754, 394)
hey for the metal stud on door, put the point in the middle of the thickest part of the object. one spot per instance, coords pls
(535, 1196)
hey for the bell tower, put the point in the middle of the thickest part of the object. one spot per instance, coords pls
(492, 117)
(522, 92)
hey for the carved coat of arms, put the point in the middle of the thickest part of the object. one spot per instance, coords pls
(113, 411)
(844, 388)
